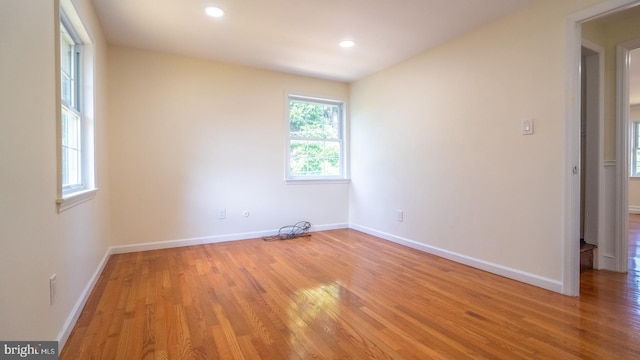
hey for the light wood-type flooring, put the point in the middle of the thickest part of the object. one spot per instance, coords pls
(342, 294)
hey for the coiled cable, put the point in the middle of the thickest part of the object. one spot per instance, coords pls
(301, 228)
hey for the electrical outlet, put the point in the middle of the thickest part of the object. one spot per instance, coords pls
(53, 283)
(222, 213)
(399, 215)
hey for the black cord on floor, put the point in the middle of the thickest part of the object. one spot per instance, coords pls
(287, 232)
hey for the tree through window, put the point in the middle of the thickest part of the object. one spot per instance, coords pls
(316, 139)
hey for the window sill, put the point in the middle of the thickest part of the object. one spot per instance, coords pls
(316, 181)
(77, 198)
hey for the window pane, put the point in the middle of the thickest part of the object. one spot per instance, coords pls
(636, 165)
(66, 88)
(71, 167)
(314, 158)
(67, 67)
(71, 149)
(314, 120)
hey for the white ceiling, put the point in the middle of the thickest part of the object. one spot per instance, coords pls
(298, 36)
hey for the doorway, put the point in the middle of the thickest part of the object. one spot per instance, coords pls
(613, 170)
(591, 150)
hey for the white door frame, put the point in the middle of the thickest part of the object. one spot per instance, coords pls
(571, 248)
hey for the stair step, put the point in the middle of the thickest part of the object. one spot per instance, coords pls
(587, 247)
(586, 255)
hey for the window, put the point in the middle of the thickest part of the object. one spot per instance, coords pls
(635, 149)
(71, 119)
(316, 146)
(75, 125)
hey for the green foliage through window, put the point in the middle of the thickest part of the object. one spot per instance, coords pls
(315, 138)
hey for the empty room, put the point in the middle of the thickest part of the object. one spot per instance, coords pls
(286, 179)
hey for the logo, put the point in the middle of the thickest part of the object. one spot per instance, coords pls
(44, 350)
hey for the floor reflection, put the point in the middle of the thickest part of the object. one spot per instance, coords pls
(634, 243)
(311, 311)
(634, 257)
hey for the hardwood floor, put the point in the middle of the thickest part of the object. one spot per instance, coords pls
(345, 295)
(634, 245)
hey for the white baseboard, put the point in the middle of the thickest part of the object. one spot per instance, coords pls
(634, 209)
(532, 279)
(330, 227)
(63, 336)
(121, 249)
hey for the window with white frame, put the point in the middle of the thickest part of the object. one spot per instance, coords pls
(75, 127)
(71, 119)
(316, 146)
(635, 149)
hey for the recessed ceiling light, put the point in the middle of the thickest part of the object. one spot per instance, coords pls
(214, 11)
(347, 43)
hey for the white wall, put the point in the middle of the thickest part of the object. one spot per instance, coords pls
(442, 133)
(35, 240)
(191, 136)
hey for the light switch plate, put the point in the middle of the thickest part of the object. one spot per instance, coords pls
(527, 127)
